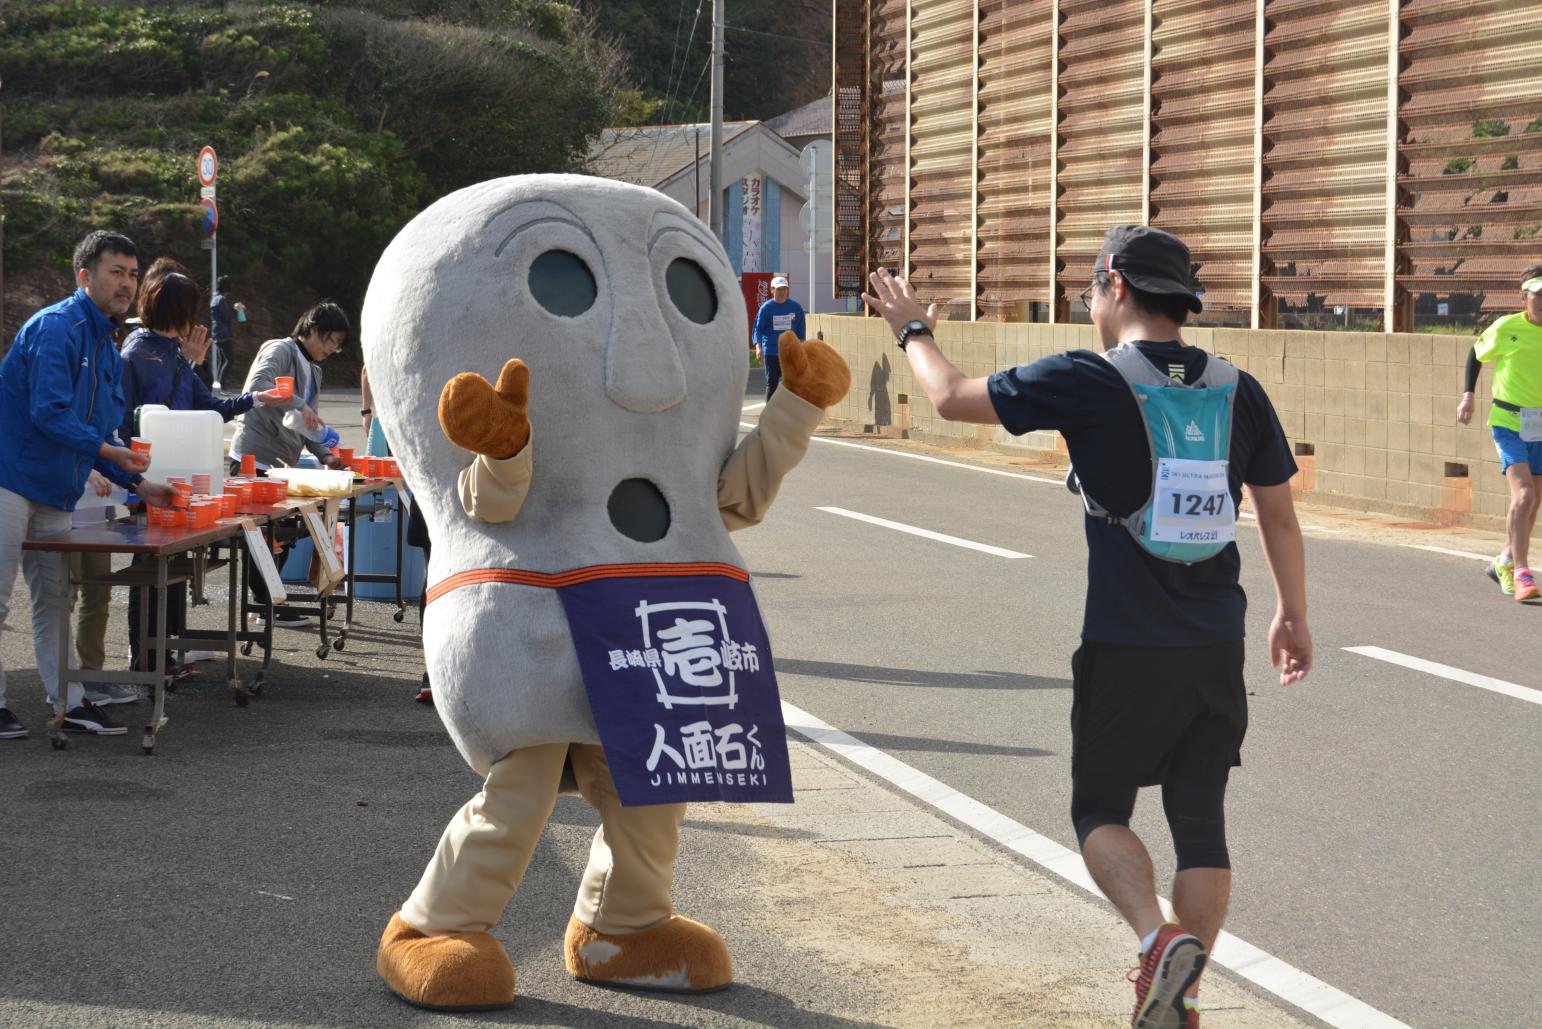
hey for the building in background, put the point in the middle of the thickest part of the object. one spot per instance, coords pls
(765, 189)
(1332, 163)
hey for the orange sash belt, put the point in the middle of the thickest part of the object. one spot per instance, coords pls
(556, 580)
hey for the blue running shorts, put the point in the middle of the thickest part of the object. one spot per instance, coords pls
(1514, 450)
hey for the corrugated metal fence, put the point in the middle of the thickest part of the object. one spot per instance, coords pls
(1380, 157)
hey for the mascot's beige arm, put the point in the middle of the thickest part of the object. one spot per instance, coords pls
(492, 489)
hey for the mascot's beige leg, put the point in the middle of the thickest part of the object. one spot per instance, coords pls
(436, 952)
(623, 931)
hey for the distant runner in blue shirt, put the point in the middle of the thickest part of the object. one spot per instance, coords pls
(778, 315)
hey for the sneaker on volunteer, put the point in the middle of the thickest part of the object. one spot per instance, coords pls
(10, 726)
(105, 694)
(1526, 585)
(88, 718)
(1503, 572)
(1167, 969)
(284, 618)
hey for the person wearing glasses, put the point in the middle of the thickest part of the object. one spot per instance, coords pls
(277, 435)
(1157, 684)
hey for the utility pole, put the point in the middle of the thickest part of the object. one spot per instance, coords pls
(715, 153)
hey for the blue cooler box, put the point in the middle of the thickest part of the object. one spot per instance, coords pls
(374, 553)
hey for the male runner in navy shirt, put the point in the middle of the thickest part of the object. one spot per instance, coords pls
(1158, 693)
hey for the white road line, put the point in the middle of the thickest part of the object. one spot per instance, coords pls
(984, 548)
(1290, 984)
(753, 407)
(1447, 551)
(929, 460)
(1483, 682)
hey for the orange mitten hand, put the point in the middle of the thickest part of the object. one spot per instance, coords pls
(814, 370)
(485, 419)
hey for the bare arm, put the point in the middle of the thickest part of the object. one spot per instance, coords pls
(1290, 641)
(956, 397)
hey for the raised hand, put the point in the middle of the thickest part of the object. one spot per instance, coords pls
(486, 419)
(814, 370)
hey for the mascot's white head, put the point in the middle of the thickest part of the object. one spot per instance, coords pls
(632, 323)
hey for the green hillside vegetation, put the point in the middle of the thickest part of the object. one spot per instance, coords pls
(333, 125)
(335, 122)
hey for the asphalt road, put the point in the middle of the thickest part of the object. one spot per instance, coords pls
(1385, 825)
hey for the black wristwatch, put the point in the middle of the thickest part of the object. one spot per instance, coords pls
(912, 328)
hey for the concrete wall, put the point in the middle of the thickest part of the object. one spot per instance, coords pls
(1371, 415)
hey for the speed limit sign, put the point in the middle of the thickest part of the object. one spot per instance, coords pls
(208, 166)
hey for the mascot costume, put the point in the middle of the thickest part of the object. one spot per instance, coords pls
(590, 626)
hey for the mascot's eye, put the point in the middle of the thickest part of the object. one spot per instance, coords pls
(691, 290)
(562, 283)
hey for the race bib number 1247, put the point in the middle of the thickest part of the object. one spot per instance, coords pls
(1193, 503)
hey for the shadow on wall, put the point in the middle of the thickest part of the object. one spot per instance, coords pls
(878, 393)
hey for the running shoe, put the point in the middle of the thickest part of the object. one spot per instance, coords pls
(283, 618)
(88, 718)
(425, 692)
(1504, 574)
(1526, 585)
(105, 694)
(1166, 970)
(10, 727)
(1190, 1017)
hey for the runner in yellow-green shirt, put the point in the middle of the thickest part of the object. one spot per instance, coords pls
(1513, 344)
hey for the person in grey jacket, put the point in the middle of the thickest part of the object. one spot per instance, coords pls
(265, 432)
(276, 435)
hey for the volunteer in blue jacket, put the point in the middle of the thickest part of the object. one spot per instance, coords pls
(61, 401)
(778, 315)
(160, 361)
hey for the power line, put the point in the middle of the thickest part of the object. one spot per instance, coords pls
(779, 35)
(669, 82)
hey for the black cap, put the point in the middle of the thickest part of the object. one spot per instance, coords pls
(1151, 260)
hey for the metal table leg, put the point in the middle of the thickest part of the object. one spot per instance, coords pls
(62, 685)
(162, 648)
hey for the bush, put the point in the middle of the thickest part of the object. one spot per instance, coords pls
(321, 210)
(501, 103)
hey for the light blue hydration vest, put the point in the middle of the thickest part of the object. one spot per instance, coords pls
(1189, 514)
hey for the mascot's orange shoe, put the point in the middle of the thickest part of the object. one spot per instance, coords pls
(677, 956)
(457, 972)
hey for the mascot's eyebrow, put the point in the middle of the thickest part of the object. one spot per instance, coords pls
(682, 226)
(541, 212)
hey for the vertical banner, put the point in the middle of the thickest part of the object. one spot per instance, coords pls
(754, 223)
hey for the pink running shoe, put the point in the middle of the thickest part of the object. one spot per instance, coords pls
(1166, 970)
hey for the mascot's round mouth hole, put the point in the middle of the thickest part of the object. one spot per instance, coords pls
(639, 511)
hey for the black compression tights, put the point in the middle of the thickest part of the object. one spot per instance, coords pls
(1195, 816)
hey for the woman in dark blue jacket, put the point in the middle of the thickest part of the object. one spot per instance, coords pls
(158, 362)
(159, 357)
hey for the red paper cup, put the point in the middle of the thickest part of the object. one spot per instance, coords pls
(359, 465)
(140, 445)
(248, 465)
(284, 384)
(345, 455)
(228, 505)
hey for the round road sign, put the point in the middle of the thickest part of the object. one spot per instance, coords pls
(208, 166)
(209, 221)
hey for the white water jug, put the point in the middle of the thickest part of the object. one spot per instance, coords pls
(183, 443)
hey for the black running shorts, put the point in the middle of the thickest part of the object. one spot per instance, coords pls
(1141, 716)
